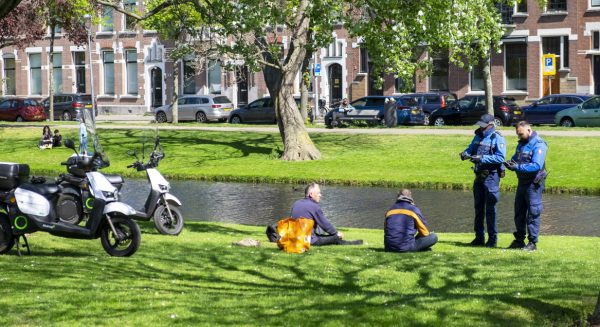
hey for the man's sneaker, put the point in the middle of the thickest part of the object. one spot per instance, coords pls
(516, 245)
(490, 244)
(530, 247)
(354, 242)
(477, 242)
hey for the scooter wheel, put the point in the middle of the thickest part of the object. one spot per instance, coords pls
(126, 242)
(7, 239)
(163, 222)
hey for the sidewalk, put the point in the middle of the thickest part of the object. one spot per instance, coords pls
(124, 118)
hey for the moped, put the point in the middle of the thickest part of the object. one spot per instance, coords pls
(25, 208)
(161, 206)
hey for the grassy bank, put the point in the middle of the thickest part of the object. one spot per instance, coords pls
(198, 278)
(388, 160)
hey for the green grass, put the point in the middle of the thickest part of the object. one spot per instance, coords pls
(428, 161)
(199, 278)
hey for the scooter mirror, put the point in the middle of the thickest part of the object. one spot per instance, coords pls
(70, 144)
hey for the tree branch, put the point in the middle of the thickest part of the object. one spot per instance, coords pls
(148, 14)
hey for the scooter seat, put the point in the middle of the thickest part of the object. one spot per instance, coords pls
(43, 189)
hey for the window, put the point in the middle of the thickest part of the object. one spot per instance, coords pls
(131, 61)
(9, 76)
(79, 61)
(35, 73)
(57, 72)
(57, 30)
(189, 77)
(546, 100)
(108, 61)
(595, 3)
(129, 5)
(439, 75)
(522, 7)
(506, 12)
(214, 76)
(515, 66)
(107, 20)
(596, 39)
(432, 99)
(477, 80)
(364, 61)
(557, 5)
(558, 45)
(335, 49)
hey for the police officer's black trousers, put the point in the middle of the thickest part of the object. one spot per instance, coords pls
(486, 193)
(528, 210)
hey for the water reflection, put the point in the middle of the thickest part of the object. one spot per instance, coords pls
(446, 211)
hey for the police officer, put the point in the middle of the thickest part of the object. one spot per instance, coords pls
(529, 164)
(487, 151)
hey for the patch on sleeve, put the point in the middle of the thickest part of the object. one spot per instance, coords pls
(540, 151)
(501, 145)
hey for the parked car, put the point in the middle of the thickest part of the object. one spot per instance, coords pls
(68, 105)
(371, 108)
(257, 111)
(430, 101)
(21, 109)
(469, 109)
(201, 108)
(543, 110)
(584, 114)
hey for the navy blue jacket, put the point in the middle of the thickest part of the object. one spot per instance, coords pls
(530, 157)
(400, 229)
(307, 208)
(491, 146)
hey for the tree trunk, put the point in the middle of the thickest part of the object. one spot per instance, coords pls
(304, 89)
(175, 107)
(487, 76)
(51, 74)
(296, 141)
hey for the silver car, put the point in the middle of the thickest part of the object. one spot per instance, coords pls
(201, 108)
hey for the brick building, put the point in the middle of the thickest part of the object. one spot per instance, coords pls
(133, 73)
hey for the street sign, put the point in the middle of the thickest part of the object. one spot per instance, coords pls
(549, 64)
(317, 69)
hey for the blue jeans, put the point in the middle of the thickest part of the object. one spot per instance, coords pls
(486, 193)
(425, 242)
(528, 210)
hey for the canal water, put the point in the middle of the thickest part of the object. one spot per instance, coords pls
(363, 207)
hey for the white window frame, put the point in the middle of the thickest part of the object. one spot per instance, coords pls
(505, 82)
(30, 77)
(124, 20)
(592, 7)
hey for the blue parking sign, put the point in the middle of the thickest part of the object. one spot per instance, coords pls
(317, 69)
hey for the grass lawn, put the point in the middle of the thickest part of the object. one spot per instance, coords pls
(429, 161)
(198, 278)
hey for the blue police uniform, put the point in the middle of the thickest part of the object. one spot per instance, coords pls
(491, 146)
(406, 229)
(530, 158)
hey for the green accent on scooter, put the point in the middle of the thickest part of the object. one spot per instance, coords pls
(23, 225)
(89, 203)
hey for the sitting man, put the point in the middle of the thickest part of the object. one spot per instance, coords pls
(323, 232)
(340, 111)
(56, 139)
(405, 227)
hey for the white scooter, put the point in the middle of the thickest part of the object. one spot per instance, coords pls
(161, 205)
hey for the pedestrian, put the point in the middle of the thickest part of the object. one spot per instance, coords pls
(487, 152)
(83, 145)
(341, 111)
(323, 233)
(56, 138)
(405, 228)
(46, 141)
(529, 162)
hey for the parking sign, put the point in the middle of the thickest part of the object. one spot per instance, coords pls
(549, 64)
(317, 69)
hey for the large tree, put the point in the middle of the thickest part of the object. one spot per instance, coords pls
(276, 36)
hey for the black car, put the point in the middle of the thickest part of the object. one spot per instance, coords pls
(371, 109)
(67, 105)
(468, 110)
(258, 111)
(430, 101)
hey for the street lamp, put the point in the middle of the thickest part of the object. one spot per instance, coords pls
(88, 17)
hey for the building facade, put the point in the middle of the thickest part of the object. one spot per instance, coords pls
(132, 71)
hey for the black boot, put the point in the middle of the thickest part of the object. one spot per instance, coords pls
(516, 245)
